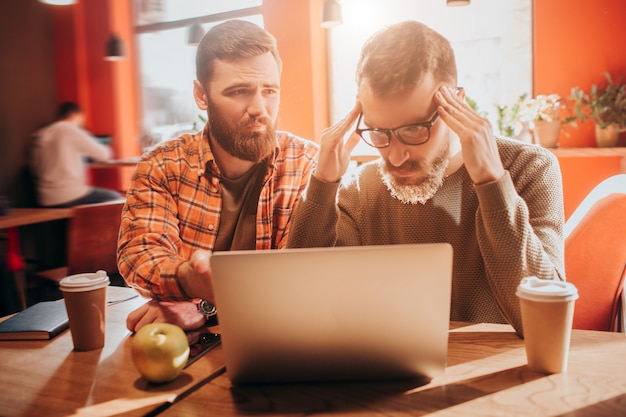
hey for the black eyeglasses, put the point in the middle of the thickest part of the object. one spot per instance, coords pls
(412, 134)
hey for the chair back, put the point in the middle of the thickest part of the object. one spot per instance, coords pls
(92, 237)
(595, 255)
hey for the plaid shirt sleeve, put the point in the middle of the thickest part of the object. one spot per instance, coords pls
(173, 209)
(285, 183)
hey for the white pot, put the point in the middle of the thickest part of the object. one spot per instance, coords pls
(547, 133)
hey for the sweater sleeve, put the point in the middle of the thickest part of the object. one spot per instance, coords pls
(89, 146)
(519, 224)
(314, 222)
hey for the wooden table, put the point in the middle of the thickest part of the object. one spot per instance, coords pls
(21, 217)
(25, 216)
(486, 376)
(47, 378)
(115, 174)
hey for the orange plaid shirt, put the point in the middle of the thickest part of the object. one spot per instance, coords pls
(174, 203)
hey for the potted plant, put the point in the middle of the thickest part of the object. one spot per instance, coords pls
(606, 106)
(510, 120)
(546, 114)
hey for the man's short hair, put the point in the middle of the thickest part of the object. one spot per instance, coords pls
(233, 39)
(67, 109)
(398, 57)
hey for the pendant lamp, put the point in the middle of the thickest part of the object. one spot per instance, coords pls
(114, 49)
(331, 14)
(58, 2)
(455, 3)
(194, 34)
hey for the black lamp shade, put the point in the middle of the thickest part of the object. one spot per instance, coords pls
(194, 34)
(114, 49)
(58, 2)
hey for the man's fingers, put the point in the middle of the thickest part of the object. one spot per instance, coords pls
(200, 261)
(135, 317)
(335, 133)
(352, 141)
(457, 114)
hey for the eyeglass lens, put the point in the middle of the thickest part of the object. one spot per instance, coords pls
(415, 134)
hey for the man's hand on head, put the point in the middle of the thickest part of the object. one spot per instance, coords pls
(478, 143)
(334, 156)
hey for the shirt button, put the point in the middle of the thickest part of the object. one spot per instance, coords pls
(211, 227)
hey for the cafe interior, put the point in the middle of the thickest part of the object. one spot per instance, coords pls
(134, 100)
(62, 56)
(115, 58)
(130, 66)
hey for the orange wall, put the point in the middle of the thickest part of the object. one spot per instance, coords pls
(65, 54)
(582, 174)
(108, 91)
(574, 43)
(302, 45)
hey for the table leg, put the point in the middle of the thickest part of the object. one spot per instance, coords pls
(15, 263)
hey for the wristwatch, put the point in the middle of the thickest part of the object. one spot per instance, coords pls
(209, 312)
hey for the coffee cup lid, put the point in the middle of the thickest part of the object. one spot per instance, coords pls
(535, 289)
(84, 282)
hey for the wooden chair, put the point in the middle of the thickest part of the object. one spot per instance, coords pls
(595, 256)
(91, 241)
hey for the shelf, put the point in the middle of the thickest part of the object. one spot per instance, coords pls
(589, 152)
(559, 152)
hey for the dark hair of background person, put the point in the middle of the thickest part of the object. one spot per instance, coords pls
(67, 108)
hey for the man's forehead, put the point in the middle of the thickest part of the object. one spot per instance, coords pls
(260, 67)
(391, 110)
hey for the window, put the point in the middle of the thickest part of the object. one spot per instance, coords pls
(167, 63)
(492, 41)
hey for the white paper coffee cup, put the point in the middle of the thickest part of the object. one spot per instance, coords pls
(547, 308)
(85, 301)
(84, 282)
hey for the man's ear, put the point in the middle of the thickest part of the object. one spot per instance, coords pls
(461, 93)
(200, 95)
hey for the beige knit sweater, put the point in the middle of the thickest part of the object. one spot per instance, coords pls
(500, 232)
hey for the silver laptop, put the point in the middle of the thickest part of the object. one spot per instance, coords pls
(334, 314)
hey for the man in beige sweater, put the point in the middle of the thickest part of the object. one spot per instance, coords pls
(58, 161)
(443, 176)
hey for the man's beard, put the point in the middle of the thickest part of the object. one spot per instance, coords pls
(250, 146)
(413, 190)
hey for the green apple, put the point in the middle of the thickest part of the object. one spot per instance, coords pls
(160, 352)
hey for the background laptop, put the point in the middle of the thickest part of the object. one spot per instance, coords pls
(329, 314)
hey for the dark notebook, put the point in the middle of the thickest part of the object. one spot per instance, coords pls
(41, 321)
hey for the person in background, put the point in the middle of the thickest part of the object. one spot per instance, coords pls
(57, 162)
(232, 186)
(442, 176)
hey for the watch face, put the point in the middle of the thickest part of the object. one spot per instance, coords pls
(207, 308)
